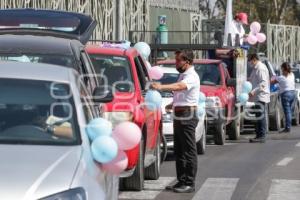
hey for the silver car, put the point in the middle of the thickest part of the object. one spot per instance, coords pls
(44, 149)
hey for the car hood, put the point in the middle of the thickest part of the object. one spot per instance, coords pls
(211, 90)
(33, 172)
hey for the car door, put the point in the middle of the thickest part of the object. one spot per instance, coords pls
(47, 23)
(149, 115)
(229, 95)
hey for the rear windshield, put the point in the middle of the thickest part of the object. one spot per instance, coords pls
(209, 74)
(37, 112)
(62, 60)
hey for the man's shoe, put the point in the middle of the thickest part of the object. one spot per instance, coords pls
(257, 140)
(171, 187)
(286, 130)
(184, 189)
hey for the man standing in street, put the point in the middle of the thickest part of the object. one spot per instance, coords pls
(260, 95)
(186, 97)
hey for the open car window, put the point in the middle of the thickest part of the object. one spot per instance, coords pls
(37, 112)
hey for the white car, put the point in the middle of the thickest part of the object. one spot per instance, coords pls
(171, 76)
(45, 152)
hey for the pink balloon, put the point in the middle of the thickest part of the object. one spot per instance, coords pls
(261, 37)
(252, 39)
(255, 27)
(156, 73)
(117, 165)
(127, 135)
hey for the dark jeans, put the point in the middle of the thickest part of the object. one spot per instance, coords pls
(261, 116)
(287, 99)
(185, 146)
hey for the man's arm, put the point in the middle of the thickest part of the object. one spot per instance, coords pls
(169, 87)
(262, 86)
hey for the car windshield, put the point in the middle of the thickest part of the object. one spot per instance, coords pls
(113, 71)
(209, 74)
(62, 60)
(37, 112)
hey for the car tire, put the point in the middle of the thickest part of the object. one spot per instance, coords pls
(234, 130)
(153, 171)
(136, 181)
(275, 120)
(295, 121)
(220, 134)
(201, 144)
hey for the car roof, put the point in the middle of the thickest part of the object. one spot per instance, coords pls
(196, 61)
(35, 71)
(94, 49)
(36, 44)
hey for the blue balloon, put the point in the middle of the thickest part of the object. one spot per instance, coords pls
(201, 111)
(143, 48)
(104, 149)
(202, 97)
(247, 87)
(98, 127)
(243, 98)
(274, 88)
(202, 105)
(153, 100)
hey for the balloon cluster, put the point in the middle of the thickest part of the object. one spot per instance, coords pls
(246, 89)
(153, 100)
(201, 104)
(108, 145)
(255, 35)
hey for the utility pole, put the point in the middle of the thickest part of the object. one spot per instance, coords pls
(119, 19)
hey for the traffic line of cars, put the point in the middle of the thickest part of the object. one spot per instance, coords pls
(52, 87)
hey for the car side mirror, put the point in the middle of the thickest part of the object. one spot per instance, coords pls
(231, 82)
(103, 94)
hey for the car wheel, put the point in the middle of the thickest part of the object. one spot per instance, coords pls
(201, 144)
(220, 134)
(153, 171)
(295, 121)
(275, 120)
(234, 130)
(136, 181)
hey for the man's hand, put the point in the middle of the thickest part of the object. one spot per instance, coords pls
(251, 94)
(155, 86)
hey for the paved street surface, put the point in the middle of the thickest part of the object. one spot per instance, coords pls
(237, 171)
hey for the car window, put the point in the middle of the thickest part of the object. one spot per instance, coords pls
(87, 104)
(114, 71)
(209, 74)
(89, 75)
(37, 112)
(141, 74)
(144, 68)
(62, 60)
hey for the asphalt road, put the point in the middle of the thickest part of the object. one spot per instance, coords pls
(238, 170)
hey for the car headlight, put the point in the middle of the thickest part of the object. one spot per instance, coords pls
(213, 102)
(117, 117)
(72, 194)
(167, 117)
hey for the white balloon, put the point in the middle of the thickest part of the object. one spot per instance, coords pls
(143, 48)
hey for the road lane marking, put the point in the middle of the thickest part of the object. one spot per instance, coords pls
(284, 189)
(285, 161)
(298, 144)
(152, 188)
(217, 189)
